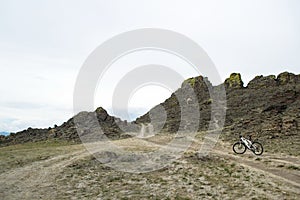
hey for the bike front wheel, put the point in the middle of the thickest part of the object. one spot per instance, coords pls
(239, 148)
(257, 148)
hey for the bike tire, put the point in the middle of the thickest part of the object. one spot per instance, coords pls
(239, 148)
(258, 148)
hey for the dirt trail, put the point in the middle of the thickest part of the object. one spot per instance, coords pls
(35, 179)
(267, 163)
(30, 181)
(288, 176)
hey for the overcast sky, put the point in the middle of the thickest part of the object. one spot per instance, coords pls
(43, 44)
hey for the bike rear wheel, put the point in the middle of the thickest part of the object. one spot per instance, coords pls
(257, 148)
(239, 148)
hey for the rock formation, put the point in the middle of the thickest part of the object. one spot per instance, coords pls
(268, 105)
(112, 127)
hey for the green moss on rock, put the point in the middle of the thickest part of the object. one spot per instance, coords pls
(286, 77)
(190, 81)
(234, 81)
(260, 82)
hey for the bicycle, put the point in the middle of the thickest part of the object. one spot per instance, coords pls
(241, 146)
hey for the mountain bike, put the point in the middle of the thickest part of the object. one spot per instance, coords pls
(241, 146)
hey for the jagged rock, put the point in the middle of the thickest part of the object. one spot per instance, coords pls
(29, 135)
(234, 81)
(260, 82)
(101, 114)
(68, 131)
(263, 106)
(268, 105)
(288, 78)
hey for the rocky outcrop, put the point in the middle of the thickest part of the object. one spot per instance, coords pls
(234, 81)
(112, 127)
(173, 108)
(28, 135)
(288, 78)
(262, 82)
(268, 105)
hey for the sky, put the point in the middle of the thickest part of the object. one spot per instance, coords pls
(43, 45)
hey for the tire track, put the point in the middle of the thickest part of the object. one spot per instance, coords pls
(30, 181)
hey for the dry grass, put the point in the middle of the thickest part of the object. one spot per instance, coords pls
(69, 173)
(22, 154)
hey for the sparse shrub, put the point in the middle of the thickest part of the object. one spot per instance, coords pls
(293, 167)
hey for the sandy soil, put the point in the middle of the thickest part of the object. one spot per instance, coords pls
(37, 180)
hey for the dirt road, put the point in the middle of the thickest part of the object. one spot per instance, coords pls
(33, 180)
(30, 180)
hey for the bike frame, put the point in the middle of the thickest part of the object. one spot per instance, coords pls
(247, 142)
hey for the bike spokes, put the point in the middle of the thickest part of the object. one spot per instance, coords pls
(257, 148)
(239, 148)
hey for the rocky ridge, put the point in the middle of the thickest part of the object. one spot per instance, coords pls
(67, 131)
(268, 105)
